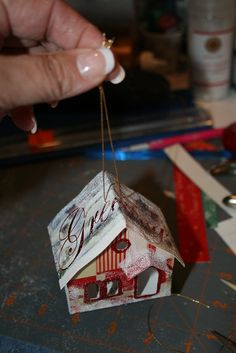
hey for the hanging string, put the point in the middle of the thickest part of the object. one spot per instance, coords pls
(105, 116)
(102, 141)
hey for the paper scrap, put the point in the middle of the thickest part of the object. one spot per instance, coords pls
(194, 171)
(227, 231)
(192, 236)
(210, 211)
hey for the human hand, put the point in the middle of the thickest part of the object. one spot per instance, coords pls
(48, 52)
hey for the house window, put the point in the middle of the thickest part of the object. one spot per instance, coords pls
(91, 292)
(113, 287)
(102, 290)
(121, 245)
(147, 283)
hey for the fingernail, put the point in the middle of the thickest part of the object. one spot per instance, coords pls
(54, 104)
(34, 128)
(93, 63)
(109, 59)
(119, 77)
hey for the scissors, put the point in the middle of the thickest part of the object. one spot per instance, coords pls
(227, 342)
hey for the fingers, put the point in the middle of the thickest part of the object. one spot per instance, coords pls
(117, 75)
(35, 78)
(29, 79)
(23, 117)
(55, 22)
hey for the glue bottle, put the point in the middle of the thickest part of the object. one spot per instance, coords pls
(211, 26)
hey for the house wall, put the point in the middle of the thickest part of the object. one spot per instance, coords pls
(103, 283)
(77, 291)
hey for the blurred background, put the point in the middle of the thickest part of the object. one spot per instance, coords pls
(149, 33)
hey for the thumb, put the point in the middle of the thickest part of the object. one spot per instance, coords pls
(28, 79)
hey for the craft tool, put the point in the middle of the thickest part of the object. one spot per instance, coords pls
(191, 168)
(192, 236)
(230, 200)
(229, 284)
(227, 342)
(183, 138)
(226, 167)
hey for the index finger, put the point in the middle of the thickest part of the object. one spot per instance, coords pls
(50, 20)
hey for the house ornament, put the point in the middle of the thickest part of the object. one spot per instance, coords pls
(111, 249)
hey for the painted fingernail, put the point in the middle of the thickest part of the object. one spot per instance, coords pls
(54, 104)
(92, 63)
(109, 59)
(35, 127)
(119, 77)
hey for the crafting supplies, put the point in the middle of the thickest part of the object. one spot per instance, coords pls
(148, 110)
(182, 159)
(184, 138)
(225, 167)
(230, 200)
(120, 155)
(229, 284)
(226, 341)
(192, 236)
(210, 41)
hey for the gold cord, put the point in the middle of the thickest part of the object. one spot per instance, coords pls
(164, 345)
(191, 299)
(104, 114)
(102, 140)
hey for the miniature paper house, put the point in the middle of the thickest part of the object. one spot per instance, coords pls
(111, 246)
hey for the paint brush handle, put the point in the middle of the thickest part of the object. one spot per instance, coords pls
(185, 138)
(168, 141)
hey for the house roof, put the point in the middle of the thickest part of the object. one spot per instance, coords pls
(149, 221)
(88, 224)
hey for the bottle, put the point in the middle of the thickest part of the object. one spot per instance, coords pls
(210, 42)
